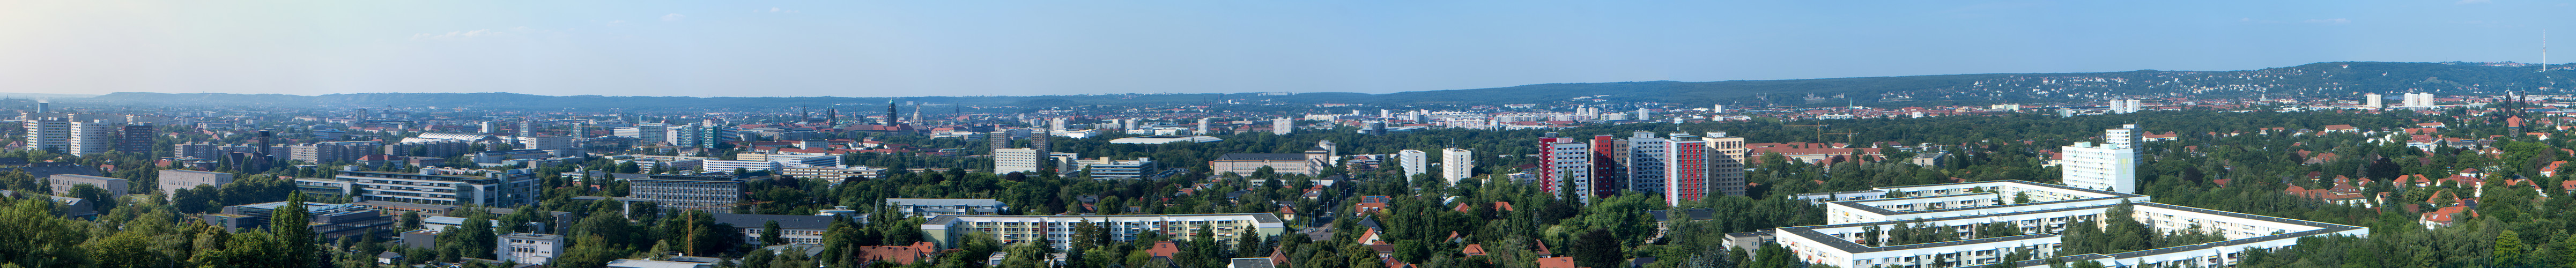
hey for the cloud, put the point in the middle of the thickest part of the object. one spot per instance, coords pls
(674, 17)
(2329, 21)
(776, 10)
(2464, 2)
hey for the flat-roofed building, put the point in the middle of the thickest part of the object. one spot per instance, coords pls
(1106, 168)
(692, 192)
(933, 207)
(1164, 139)
(174, 179)
(493, 189)
(948, 230)
(63, 183)
(2051, 209)
(794, 229)
(1246, 164)
(329, 221)
(529, 248)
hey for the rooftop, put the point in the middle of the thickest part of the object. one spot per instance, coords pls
(1262, 157)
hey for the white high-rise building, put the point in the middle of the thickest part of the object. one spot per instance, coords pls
(1415, 162)
(2126, 106)
(49, 134)
(1643, 114)
(1283, 126)
(1566, 165)
(1055, 125)
(1023, 160)
(1645, 162)
(1720, 108)
(2109, 166)
(1203, 126)
(1457, 164)
(91, 137)
(2372, 101)
(2418, 99)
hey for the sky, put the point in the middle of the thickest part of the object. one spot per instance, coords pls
(989, 48)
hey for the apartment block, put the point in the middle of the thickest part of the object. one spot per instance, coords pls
(947, 231)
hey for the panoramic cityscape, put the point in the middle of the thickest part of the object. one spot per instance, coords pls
(658, 135)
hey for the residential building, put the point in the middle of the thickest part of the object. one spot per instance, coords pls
(1283, 126)
(174, 179)
(1726, 158)
(2125, 106)
(1164, 139)
(833, 173)
(332, 152)
(2417, 100)
(731, 165)
(509, 188)
(1415, 162)
(529, 248)
(691, 192)
(1686, 170)
(429, 148)
(1022, 160)
(1565, 165)
(136, 138)
(646, 132)
(946, 231)
(94, 136)
(63, 183)
(2110, 166)
(1246, 164)
(52, 134)
(933, 207)
(2372, 101)
(1637, 163)
(1457, 164)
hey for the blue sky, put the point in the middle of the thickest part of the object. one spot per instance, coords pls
(970, 48)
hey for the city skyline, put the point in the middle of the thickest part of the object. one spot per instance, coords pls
(1040, 48)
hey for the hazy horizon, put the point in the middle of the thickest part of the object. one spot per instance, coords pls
(1070, 48)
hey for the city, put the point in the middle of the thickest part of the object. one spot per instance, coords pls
(1283, 134)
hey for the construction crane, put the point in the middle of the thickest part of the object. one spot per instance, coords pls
(1820, 131)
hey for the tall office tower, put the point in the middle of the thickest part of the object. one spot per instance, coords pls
(2125, 106)
(135, 139)
(52, 134)
(1643, 114)
(1642, 162)
(1457, 164)
(1686, 169)
(1204, 126)
(2372, 101)
(1726, 157)
(1021, 160)
(1565, 165)
(93, 136)
(2418, 99)
(2109, 166)
(1415, 162)
(1055, 125)
(1283, 126)
(490, 127)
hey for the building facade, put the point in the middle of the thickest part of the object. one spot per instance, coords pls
(1457, 164)
(2111, 165)
(933, 207)
(1726, 158)
(1415, 162)
(691, 192)
(1565, 165)
(63, 184)
(1686, 170)
(529, 248)
(947, 231)
(509, 188)
(174, 179)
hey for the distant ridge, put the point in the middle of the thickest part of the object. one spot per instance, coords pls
(2338, 79)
